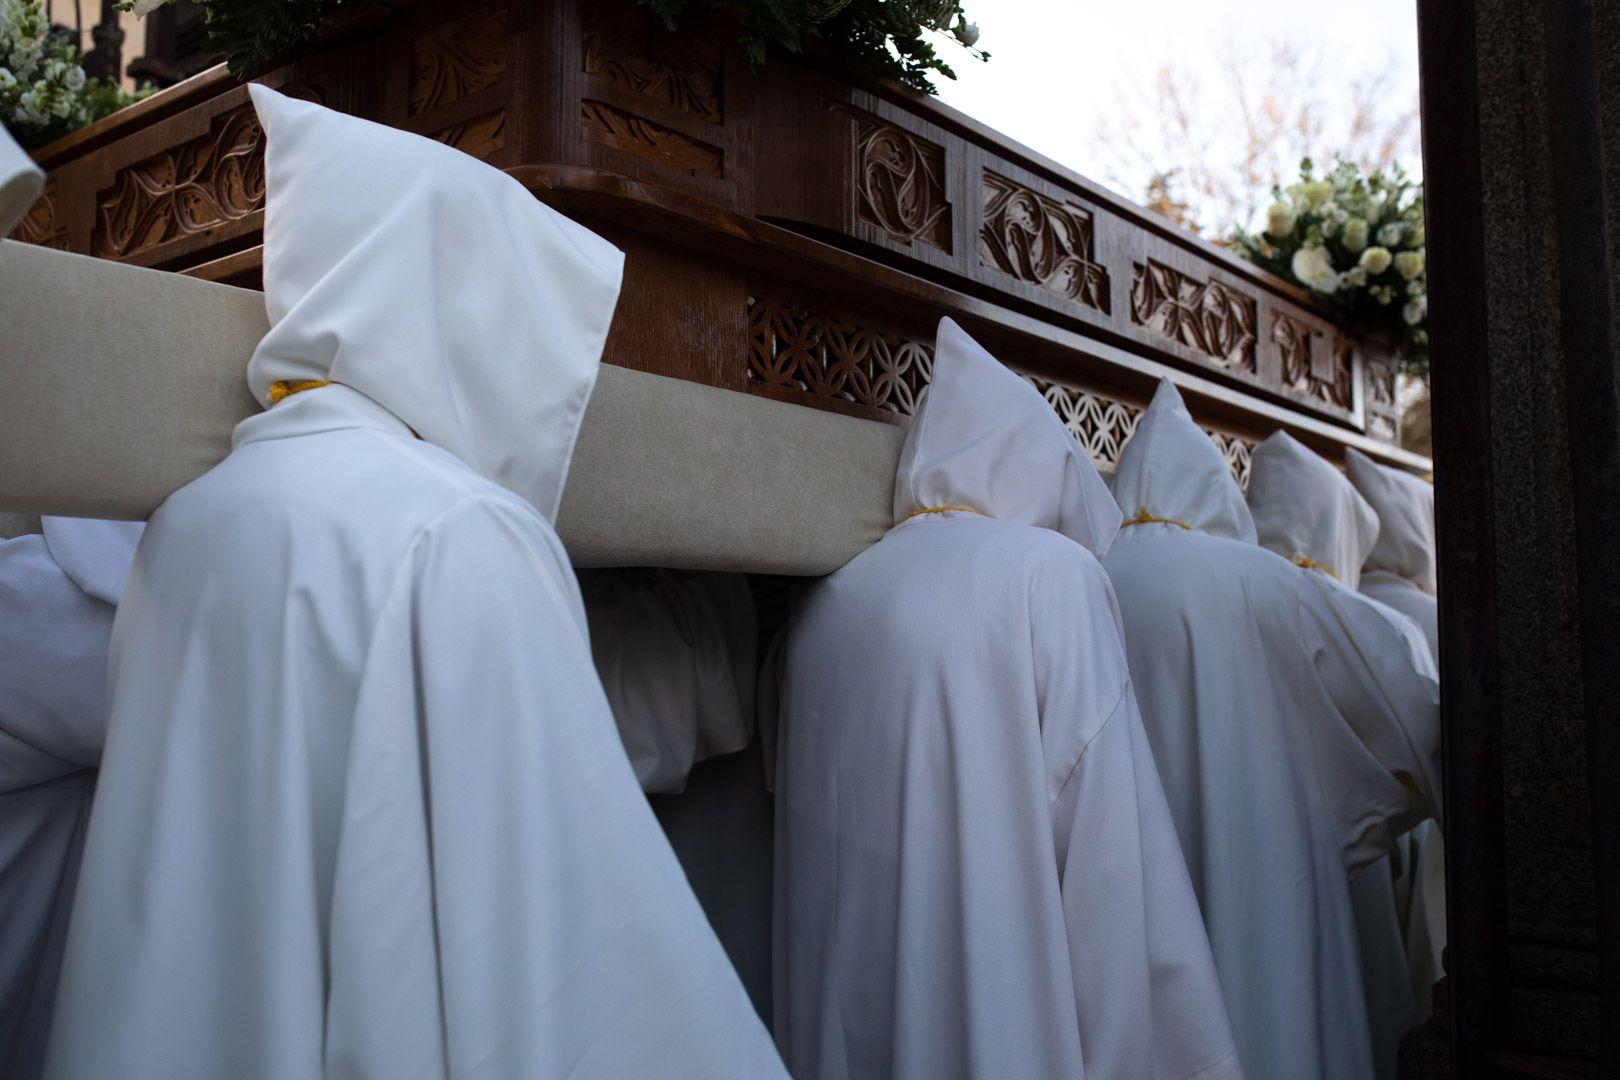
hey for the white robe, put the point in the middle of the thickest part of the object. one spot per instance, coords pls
(363, 809)
(1400, 573)
(977, 872)
(1295, 737)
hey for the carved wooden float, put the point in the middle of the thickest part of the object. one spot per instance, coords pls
(789, 234)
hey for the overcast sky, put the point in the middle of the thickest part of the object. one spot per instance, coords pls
(1057, 65)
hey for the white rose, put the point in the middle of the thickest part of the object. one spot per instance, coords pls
(1409, 264)
(1315, 270)
(1390, 234)
(1317, 192)
(74, 79)
(7, 78)
(1375, 260)
(1415, 310)
(1355, 235)
(1280, 220)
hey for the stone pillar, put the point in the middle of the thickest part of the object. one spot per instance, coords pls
(1521, 105)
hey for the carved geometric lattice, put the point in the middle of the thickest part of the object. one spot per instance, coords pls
(1099, 424)
(1211, 317)
(1236, 451)
(793, 349)
(1041, 241)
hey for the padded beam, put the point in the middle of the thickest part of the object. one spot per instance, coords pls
(121, 385)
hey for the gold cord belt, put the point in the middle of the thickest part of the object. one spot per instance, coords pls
(940, 510)
(1144, 518)
(286, 388)
(1311, 564)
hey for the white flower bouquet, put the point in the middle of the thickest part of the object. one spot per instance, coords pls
(43, 90)
(1356, 241)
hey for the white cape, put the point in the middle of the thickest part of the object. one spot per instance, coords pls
(977, 875)
(57, 595)
(1295, 738)
(1400, 573)
(363, 809)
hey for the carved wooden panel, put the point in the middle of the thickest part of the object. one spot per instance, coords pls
(1383, 414)
(40, 225)
(459, 58)
(1309, 366)
(899, 182)
(1210, 317)
(619, 47)
(1237, 451)
(199, 185)
(830, 359)
(610, 126)
(481, 136)
(1041, 241)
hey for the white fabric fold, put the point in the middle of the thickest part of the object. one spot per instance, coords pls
(1296, 736)
(1304, 509)
(977, 874)
(20, 182)
(363, 810)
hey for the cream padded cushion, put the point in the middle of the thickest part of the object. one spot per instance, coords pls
(123, 384)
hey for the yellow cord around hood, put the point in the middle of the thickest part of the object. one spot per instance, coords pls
(1142, 517)
(286, 388)
(940, 510)
(1311, 564)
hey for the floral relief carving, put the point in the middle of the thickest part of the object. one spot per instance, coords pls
(39, 226)
(792, 349)
(602, 123)
(480, 136)
(1210, 317)
(1041, 241)
(1381, 384)
(900, 183)
(459, 58)
(1308, 367)
(200, 185)
(620, 50)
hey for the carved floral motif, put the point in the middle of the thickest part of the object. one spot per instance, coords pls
(1308, 368)
(900, 183)
(480, 136)
(619, 49)
(602, 123)
(827, 358)
(200, 185)
(459, 58)
(1210, 317)
(1041, 241)
(39, 225)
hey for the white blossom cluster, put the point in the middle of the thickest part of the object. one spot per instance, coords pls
(1357, 240)
(43, 90)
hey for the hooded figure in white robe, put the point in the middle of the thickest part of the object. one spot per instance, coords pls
(1400, 573)
(977, 875)
(1295, 738)
(20, 182)
(58, 591)
(363, 810)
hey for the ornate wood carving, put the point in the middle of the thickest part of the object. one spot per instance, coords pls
(1101, 425)
(618, 47)
(459, 58)
(602, 123)
(39, 225)
(480, 136)
(1210, 317)
(197, 186)
(1237, 452)
(899, 183)
(1310, 368)
(1041, 241)
(833, 360)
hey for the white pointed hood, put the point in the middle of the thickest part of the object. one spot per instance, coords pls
(95, 554)
(1405, 508)
(985, 439)
(20, 182)
(435, 285)
(1172, 469)
(1305, 510)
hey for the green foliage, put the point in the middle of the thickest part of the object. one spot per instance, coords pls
(877, 38)
(1359, 243)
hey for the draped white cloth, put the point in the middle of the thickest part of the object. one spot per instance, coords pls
(20, 182)
(57, 595)
(1400, 573)
(977, 875)
(363, 810)
(1295, 736)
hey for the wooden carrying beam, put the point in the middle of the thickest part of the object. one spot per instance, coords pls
(122, 384)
